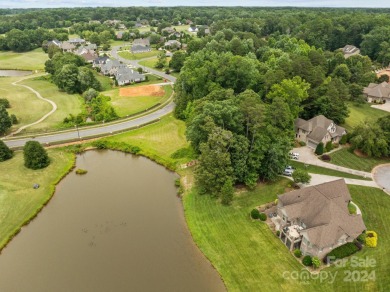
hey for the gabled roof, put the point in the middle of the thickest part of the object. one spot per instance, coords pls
(67, 46)
(101, 60)
(139, 48)
(324, 211)
(318, 127)
(126, 74)
(142, 42)
(378, 90)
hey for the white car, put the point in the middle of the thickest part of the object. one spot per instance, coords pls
(294, 155)
(288, 172)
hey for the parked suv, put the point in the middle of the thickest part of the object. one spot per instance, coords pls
(294, 155)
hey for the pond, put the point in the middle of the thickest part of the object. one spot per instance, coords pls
(120, 227)
(14, 73)
(382, 176)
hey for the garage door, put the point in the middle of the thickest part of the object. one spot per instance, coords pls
(311, 144)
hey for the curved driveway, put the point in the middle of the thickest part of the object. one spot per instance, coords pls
(85, 133)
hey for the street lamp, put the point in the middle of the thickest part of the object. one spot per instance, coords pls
(78, 133)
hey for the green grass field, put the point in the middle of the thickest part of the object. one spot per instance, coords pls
(326, 171)
(347, 159)
(152, 62)
(138, 56)
(360, 113)
(66, 103)
(34, 60)
(249, 257)
(24, 104)
(19, 201)
(125, 106)
(105, 81)
(158, 141)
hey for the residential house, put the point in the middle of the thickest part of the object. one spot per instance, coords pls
(77, 41)
(350, 50)
(142, 42)
(167, 30)
(100, 61)
(139, 49)
(316, 130)
(193, 29)
(172, 44)
(316, 219)
(127, 76)
(54, 42)
(377, 92)
(111, 67)
(89, 56)
(119, 35)
(68, 47)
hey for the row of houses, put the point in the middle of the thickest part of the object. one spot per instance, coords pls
(77, 46)
(120, 71)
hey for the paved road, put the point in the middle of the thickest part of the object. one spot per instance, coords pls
(104, 129)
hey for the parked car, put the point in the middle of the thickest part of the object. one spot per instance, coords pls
(294, 155)
(288, 172)
(289, 167)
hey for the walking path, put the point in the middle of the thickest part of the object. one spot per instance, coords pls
(53, 104)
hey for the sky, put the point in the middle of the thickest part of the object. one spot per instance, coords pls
(116, 3)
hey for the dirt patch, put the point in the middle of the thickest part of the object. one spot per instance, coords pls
(357, 152)
(383, 72)
(147, 90)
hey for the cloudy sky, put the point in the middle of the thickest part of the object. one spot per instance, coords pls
(94, 3)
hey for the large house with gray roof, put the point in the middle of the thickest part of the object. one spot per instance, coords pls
(127, 76)
(377, 92)
(316, 130)
(316, 219)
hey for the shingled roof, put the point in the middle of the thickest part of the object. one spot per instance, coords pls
(324, 211)
(378, 90)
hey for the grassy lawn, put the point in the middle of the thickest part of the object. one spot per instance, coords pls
(21, 99)
(249, 257)
(19, 201)
(105, 81)
(326, 171)
(138, 56)
(66, 104)
(345, 158)
(152, 62)
(360, 113)
(125, 106)
(158, 141)
(115, 43)
(33, 60)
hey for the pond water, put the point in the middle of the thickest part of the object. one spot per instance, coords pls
(120, 227)
(382, 176)
(14, 73)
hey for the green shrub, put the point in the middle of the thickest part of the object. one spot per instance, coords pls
(14, 120)
(328, 146)
(362, 238)
(320, 149)
(307, 261)
(4, 102)
(100, 144)
(298, 253)
(5, 152)
(342, 251)
(186, 152)
(81, 171)
(325, 157)
(35, 156)
(255, 214)
(316, 262)
(263, 216)
(177, 182)
(302, 143)
(278, 233)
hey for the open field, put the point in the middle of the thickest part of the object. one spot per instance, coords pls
(152, 62)
(128, 105)
(360, 113)
(158, 141)
(138, 56)
(326, 171)
(345, 158)
(249, 257)
(24, 104)
(66, 103)
(19, 201)
(33, 60)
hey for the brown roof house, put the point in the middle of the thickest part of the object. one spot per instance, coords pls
(377, 92)
(316, 130)
(316, 219)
